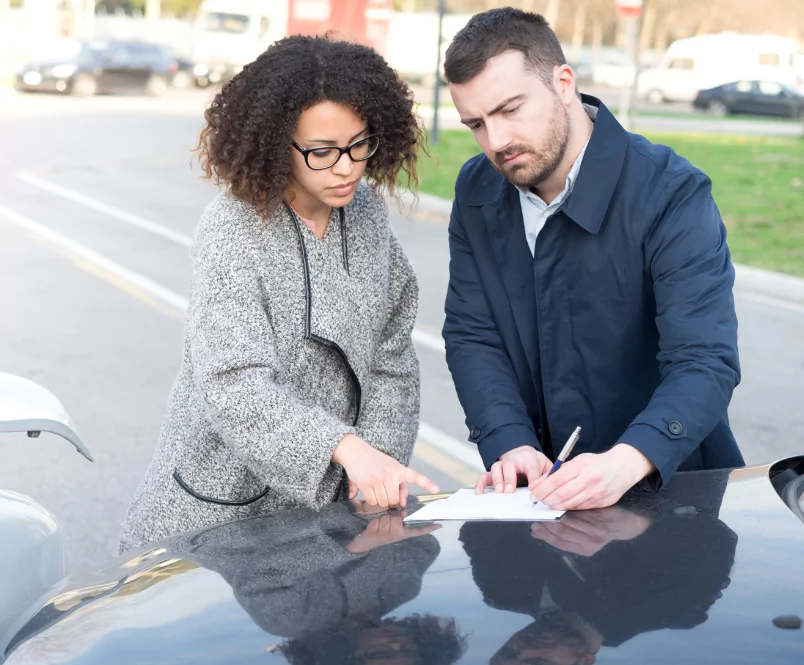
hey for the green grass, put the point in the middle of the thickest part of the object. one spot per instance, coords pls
(758, 184)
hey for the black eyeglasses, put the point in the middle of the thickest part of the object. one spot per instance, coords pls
(324, 157)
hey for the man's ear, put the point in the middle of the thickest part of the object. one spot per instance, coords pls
(564, 82)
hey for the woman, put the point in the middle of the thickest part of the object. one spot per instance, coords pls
(299, 384)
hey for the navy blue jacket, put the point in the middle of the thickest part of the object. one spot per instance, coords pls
(623, 322)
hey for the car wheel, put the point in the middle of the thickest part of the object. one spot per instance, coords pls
(718, 109)
(157, 86)
(84, 85)
(655, 96)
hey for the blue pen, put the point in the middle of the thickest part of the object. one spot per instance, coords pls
(566, 450)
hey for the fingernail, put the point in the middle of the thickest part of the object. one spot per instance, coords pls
(509, 488)
(498, 488)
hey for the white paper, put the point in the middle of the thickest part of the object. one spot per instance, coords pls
(466, 505)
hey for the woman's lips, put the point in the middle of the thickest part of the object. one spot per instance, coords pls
(343, 190)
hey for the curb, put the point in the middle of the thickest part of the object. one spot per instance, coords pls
(747, 278)
(427, 205)
(769, 283)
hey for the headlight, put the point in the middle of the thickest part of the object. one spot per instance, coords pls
(32, 78)
(64, 71)
(200, 69)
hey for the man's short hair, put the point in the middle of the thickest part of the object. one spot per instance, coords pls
(491, 33)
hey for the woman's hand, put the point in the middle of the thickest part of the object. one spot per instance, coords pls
(385, 530)
(379, 476)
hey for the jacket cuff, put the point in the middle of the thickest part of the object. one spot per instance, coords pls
(665, 453)
(502, 439)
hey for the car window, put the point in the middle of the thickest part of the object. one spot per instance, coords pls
(94, 50)
(744, 86)
(681, 63)
(771, 59)
(232, 23)
(118, 54)
(147, 53)
(770, 88)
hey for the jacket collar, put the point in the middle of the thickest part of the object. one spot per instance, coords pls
(597, 180)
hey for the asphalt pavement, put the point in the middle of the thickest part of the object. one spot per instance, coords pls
(98, 200)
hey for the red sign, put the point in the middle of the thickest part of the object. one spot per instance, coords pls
(629, 8)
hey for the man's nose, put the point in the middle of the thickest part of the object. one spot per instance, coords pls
(499, 138)
(343, 166)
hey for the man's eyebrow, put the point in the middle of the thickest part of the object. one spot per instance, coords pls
(332, 141)
(495, 110)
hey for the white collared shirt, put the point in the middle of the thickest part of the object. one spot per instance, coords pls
(534, 210)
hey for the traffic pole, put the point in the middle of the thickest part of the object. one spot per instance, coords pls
(629, 11)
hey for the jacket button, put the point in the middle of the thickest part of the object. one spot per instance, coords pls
(474, 434)
(675, 428)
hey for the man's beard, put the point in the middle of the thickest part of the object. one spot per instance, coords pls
(539, 164)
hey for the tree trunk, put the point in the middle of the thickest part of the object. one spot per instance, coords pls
(551, 13)
(578, 30)
(597, 40)
(88, 22)
(662, 37)
(619, 39)
(153, 11)
(648, 27)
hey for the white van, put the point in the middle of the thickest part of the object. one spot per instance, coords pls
(698, 63)
(228, 34)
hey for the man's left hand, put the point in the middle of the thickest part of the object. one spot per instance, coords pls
(593, 480)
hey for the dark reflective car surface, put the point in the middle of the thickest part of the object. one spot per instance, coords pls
(103, 67)
(752, 98)
(707, 571)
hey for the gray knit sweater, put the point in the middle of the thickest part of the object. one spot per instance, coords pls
(291, 343)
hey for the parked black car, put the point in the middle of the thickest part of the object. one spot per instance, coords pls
(104, 67)
(752, 97)
(709, 570)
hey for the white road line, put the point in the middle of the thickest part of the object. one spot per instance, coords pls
(436, 438)
(432, 342)
(140, 281)
(773, 302)
(421, 337)
(122, 215)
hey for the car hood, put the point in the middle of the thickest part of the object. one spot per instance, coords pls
(708, 570)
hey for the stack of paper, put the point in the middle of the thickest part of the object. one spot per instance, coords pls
(466, 505)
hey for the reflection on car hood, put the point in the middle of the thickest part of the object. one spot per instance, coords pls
(707, 571)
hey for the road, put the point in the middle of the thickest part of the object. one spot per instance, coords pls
(97, 200)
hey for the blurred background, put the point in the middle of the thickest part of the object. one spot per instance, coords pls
(679, 46)
(101, 104)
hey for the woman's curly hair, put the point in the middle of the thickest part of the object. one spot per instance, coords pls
(246, 142)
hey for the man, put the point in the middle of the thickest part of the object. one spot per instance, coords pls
(590, 283)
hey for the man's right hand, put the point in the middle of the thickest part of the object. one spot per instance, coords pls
(525, 462)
